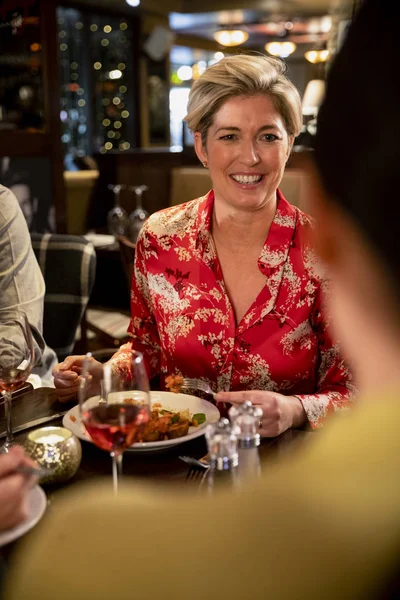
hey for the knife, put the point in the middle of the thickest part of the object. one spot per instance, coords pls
(35, 423)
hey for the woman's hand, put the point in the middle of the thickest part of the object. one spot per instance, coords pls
(67, 376)
(279, 412)
(14, 487)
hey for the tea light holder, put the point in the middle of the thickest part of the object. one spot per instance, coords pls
(56, 449)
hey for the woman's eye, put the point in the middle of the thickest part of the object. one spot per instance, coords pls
(269, 137)
(228, 137)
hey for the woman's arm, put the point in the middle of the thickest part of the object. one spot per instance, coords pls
(143, 326)
(335, 387)
(143, 329)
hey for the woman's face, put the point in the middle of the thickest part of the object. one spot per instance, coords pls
(246, 151)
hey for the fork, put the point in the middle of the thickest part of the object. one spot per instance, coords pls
(197, 468)
(197, 384)
(201, 464)
(197, 474)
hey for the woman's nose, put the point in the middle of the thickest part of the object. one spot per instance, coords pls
(249, 154)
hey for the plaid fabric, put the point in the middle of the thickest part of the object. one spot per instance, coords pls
(68, 264)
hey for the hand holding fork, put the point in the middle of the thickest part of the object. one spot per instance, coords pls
(192, 384)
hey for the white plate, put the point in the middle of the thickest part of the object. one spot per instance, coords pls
(168, 400)
(37, 502)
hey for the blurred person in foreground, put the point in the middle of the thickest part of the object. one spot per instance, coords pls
(14, 487)
(326, 524)
(21, 282)
(14, 490)
(226, 289)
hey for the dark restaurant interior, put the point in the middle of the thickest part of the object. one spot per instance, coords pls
(93, 95)
(204, 352)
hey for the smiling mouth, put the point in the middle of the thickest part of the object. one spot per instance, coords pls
(247, 179)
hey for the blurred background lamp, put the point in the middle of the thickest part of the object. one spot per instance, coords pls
(231, 37)
(133, 2)
(316, 56)
(281, 49)
(185, 72)
(313, 97)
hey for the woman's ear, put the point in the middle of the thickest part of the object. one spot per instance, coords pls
(290, 146)
(199, 148)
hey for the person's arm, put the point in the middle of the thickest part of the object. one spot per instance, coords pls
(14, 488)
(143, 326)
(21, 281)
(335, 386)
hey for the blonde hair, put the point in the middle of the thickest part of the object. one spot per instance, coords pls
(243, 75)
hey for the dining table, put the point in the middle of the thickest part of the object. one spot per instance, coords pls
(161, 466)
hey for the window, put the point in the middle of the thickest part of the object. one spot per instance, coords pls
(187, 64)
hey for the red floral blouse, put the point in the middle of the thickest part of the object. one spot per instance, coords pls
(183, 322)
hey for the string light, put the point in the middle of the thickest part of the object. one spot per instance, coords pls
(108, 76)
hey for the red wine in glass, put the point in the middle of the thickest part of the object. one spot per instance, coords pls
(114, 399)
(16, 360)
(115, 427)
(12, 380)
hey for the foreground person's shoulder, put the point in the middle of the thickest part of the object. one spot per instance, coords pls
(9, 206)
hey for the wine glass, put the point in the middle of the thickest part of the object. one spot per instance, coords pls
(117, 218)
(16, 360)
(114, 401)
(139, 215)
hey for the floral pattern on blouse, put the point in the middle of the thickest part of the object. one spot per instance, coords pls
(183, 322)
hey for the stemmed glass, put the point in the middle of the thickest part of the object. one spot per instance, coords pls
(117, 218)
(114, 401)
(16, 361)
(139, 215)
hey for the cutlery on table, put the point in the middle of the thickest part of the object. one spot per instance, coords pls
(198, 468)
(201, 463)
(197, 384)
(196, 474)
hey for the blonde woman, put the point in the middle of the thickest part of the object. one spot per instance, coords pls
(226, 287)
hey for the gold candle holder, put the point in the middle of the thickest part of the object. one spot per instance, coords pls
(57, 449)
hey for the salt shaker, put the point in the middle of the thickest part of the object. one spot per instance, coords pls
(222, 443)
(246, 418)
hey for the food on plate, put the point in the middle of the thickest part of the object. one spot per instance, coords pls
(166, 424)
(174, 383)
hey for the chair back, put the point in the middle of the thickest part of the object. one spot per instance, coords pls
(127, 252)
(68, 264)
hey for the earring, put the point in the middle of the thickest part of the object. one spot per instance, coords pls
(205, 165)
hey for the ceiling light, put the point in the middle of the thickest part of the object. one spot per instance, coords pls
(133, 2)
(316, 56)
(231, 37)
(281, 49)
